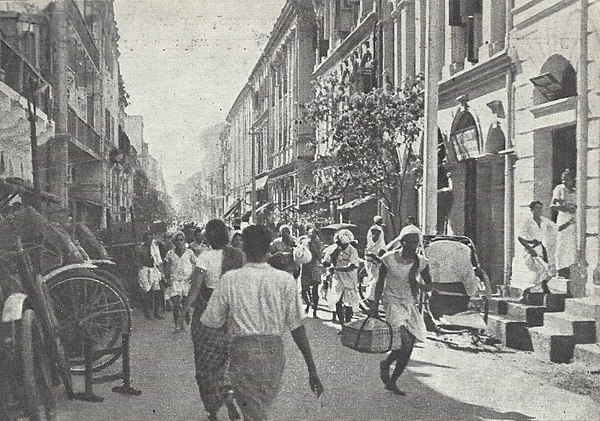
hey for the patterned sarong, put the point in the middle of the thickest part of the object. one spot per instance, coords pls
(256, 369)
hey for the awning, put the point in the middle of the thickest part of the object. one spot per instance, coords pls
(291, 206)
(232, 208)
(263, 207)
(306, 203)
(356, 202)
(261, 182)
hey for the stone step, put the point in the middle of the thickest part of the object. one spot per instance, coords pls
(586, 307)
(555, 302)
(560, 285)
(582, 329)
(595, 291)
(532, 315)
(552, 345)
(587, 353)
(511, 333)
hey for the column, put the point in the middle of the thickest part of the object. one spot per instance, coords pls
(58, 155)
(389, 48)
(408, 41)
(398, 75)
(435, 43)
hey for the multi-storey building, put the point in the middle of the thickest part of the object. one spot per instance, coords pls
(266, 120)
(72, 46)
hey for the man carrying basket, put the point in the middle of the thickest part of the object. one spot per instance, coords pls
(400, 277)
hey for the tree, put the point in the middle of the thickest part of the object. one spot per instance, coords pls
(149, 205)
(366, 140)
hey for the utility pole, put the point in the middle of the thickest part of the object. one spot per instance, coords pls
(253, 176)
(35, 160)
(434, 45)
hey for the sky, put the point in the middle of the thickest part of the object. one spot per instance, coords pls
(183, 63)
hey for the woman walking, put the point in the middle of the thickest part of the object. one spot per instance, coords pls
(398, 285)
(311, 271)
(180, 264)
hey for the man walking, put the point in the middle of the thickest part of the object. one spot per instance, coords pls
(259, 303)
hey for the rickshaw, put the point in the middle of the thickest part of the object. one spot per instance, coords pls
(459, 301)
(85, 302)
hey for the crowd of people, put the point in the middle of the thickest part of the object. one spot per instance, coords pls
(241, 290)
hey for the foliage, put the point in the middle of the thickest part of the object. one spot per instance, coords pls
(150, 205)
(124, 98)
(366, 141)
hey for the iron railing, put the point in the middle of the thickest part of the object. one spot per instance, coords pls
(78, 22)
(22, 77)
(83, 132)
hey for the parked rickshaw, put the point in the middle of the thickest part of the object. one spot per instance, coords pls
(78, 301)
(459, 301)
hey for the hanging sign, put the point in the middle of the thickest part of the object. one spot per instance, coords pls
(466, 144)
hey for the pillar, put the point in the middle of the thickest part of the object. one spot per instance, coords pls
(434, 62)
(407, 23)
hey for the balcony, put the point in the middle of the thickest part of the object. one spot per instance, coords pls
(83, 133)
(78, 22)
(17, 72)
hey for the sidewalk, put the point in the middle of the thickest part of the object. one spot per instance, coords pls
(442, 384)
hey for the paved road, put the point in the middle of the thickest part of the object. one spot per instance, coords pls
(442, 384)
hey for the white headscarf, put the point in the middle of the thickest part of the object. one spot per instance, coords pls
(284, 226)
(345, 236)
(407, 230)
(374, 247)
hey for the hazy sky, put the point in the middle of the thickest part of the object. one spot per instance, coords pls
(184, 62)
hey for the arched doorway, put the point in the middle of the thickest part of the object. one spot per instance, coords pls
(478, 189)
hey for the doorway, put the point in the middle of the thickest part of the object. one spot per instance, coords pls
(564, 154)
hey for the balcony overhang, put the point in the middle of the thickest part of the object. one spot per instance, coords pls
(360, 33)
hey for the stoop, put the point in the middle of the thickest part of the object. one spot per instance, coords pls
(554, 345)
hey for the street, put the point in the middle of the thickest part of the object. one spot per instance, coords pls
(442, 384)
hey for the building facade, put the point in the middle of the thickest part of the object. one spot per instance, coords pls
(266, 122)
(71, 47)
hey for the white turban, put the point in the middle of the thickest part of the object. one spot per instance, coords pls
(284, 226)
(345, 236)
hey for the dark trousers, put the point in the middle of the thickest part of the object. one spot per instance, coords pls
(344, 313)
(152, 303)
(310, 295)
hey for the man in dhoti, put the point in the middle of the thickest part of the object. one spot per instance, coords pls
(538, 238)
(564, 199)
(259, 304)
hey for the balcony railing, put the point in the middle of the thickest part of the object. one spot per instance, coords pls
(83, 132)
(78, 22)
(20, 75)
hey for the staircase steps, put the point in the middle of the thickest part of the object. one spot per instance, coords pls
(582, 329)
(551, 344)
(587, 353)
(511, 333)
(531, 315)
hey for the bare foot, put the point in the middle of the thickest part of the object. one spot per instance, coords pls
(394, 389)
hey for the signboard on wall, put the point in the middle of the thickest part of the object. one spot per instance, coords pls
(466, 144)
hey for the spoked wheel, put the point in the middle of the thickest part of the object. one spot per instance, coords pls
(88, 306)
(37, 379)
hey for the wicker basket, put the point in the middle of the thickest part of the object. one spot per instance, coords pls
(372, 335)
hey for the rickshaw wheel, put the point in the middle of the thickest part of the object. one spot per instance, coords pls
(37, 382)
(87, 305)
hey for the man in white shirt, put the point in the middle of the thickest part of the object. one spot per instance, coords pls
(259, 304)
(538, 238)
